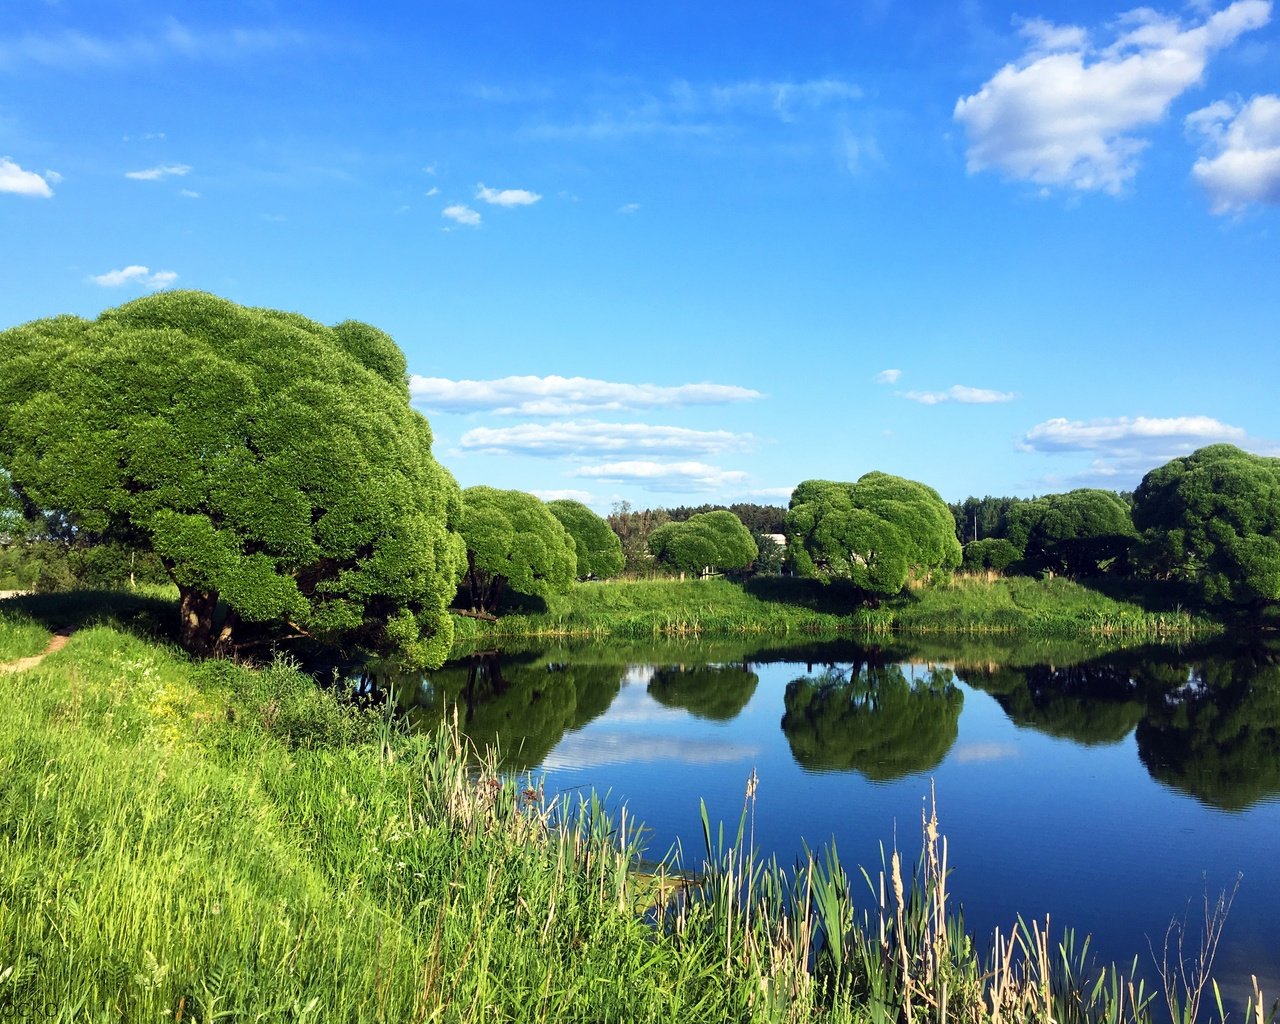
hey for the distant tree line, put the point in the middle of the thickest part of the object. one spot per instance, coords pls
(273, 469)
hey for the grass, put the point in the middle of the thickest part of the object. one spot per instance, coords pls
(207, 842)
(777, 605)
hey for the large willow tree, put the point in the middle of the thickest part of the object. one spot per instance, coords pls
(272, 464)
(878, 532)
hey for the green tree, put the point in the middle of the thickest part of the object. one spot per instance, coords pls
(513, 542)
(1212, 519)
(598, 548)
(709, 540)
(256, 453)
(1079, 533)
(994, 553)
(877, 533)
(875, 721)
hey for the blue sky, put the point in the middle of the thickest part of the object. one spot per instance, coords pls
(674, 253)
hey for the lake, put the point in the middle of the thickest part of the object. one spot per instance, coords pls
(1109, 791)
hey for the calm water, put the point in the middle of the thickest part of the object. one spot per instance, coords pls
(1107, 791)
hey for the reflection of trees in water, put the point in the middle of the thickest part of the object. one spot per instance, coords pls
(1208, 725)
(874, 721)
(1094, 703)
(1217, 736)
(522, 708)
(715, 692)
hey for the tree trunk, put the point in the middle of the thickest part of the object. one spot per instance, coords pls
(197, 607)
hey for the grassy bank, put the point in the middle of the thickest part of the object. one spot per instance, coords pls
(201, 842)
(966, 605)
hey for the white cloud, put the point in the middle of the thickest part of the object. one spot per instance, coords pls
(564, 396)
(1125, 433)
(959, 393)
(135, 274)
(1243, 163)
(591, 437)
(23, 183)
(564, 494)
(1066, 113)
(161, 171)
(888, 376)
(665, 477)
(771, 492)
(432, 191)
(53, 177)
(187, 193)
(506, 196)
(462, 214)
(628, 207)
(1127, 447)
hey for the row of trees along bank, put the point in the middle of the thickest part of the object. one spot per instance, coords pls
(274, 470)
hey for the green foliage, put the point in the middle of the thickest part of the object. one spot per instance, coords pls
(512, 541)
(879, 532)
(709, 540)
(875, 721)
(756, 518)
(1212, 518)
(598, 548)
(262, 463)
(994, 553)
(982, 518)
(1080, 533)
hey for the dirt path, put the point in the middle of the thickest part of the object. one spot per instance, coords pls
(56, 643)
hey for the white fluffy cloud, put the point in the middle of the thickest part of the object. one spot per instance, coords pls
(564, 396)
(1242, 165)
(1125, 434)
(959, 393)
(1066, 113)
(135, 275)
(591, 437)
(25, 183)
(159, 172)
(665, 477)
(888, 376)
(462, 215)
(506, 196)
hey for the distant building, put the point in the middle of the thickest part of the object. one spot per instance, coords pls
(778, 538)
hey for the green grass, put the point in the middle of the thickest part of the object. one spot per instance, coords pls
(776, 605)
(206, 842)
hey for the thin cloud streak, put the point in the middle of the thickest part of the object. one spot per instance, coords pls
(564, 396)
(591, 437)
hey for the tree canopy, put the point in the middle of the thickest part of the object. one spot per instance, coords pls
(1078, 533)
(598, 548)
(512, 542)
(1212, 519)
(878, 532)
(715, 540)
(270, 462)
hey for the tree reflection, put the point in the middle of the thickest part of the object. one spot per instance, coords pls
(875, 721)
(1095, 703)
(521, 708)
(715, 692)
(1217, 735)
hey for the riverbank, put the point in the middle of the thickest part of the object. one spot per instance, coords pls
(203, 841)
(963, 606)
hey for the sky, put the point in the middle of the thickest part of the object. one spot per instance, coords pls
(673, 253)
